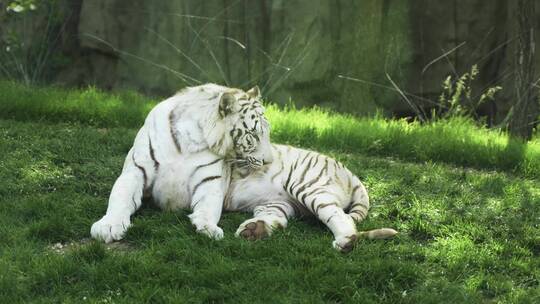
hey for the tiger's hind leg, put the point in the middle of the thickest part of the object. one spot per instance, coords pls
(266, 218)
(359, 207)
(328, 210)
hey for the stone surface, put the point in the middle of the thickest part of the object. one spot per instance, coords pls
(337, 54)
(291, 49)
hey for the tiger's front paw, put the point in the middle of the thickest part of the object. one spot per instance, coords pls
(212, 231)
(109, 228)
(253, 229)
(345, 244)
(204, 226)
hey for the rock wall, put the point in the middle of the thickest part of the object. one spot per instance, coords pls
(292, 49)
(480, 32)
(335, 53)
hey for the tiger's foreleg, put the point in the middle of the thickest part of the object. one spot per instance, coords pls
(266, 218)
(125, 199)
(208, 187)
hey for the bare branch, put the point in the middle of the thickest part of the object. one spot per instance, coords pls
(209, 49)
(419, 113)
(234, 41)
(178, 50)
(185, 78)
(389, 88)
(442, 56)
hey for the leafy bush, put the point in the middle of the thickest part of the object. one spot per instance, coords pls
(457, 97)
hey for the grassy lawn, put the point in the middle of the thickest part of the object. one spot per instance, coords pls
(456, 141)
(467, 235)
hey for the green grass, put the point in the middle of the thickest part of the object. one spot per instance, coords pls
(465, 199)
(467, 235)
(456, 141)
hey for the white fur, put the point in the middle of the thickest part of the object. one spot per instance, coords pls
(184, 178)
(273, 200)
(264, 192)
(202, 136)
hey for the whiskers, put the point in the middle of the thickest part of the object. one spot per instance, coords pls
(245, 164)
(238, 162)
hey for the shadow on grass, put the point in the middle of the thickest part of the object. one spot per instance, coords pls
(513, 155)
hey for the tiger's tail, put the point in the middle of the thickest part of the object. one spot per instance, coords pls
(377, 234)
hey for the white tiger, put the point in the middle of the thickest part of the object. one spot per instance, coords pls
(297, 183)
(179, 156)
(300, 182)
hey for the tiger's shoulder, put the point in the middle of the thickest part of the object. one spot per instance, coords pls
(201, 117)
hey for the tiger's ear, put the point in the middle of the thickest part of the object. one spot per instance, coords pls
(227, 104)
(254, 92)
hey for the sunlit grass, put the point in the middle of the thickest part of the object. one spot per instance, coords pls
(89, 106)
(466, 235)
(456, 141)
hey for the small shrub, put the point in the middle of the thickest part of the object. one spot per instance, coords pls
(457, 99)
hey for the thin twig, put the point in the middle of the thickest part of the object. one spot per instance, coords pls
(131, 8)
(499, 79)
(287, 38)
(535, 84)
(495, 49)
(388, 88)
(233, 40)
(482, 42)
(43, 46)
(452, 67)
(211, 19)
(267, 70)
(209, 49)
(419, 113)
(56, 39)
(299, 60)
(178, 50)
(286, 68)
(5, 71)
(442, 56)
(185, 78)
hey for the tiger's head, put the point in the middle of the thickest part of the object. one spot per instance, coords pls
(247, 128)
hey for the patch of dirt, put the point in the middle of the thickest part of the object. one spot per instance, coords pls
(63, 248)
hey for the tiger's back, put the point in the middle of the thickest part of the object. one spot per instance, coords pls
(301, 178)
(301, 182)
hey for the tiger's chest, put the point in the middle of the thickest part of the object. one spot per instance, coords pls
(170, 189)
(174, 183)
